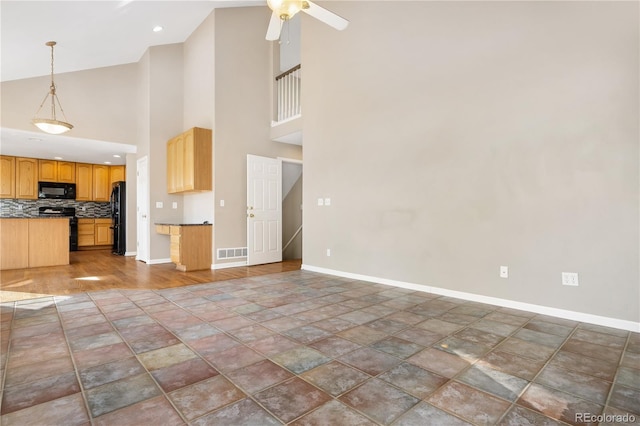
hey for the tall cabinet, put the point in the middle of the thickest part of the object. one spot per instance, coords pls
(7, 177)
(27, 178)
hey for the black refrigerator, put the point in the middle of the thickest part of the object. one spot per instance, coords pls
(118, 217)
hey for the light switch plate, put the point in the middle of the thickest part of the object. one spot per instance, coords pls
(174, 205)
(159, 204)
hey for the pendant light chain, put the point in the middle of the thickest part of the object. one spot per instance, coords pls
(52, 88)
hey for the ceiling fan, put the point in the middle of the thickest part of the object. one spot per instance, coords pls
(283, 10)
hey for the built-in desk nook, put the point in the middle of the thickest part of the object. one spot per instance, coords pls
(190, 244)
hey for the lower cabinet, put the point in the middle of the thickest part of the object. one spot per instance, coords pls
(86, 232)
(30, 243)
(14, 243)
(103, 234)
(94, 232)
(190, 245)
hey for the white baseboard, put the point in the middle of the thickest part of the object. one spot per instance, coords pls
(158, 261)
(130, 253)
(506, 303)
(228, 265)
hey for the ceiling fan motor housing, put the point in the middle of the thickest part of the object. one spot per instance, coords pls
(286, 9)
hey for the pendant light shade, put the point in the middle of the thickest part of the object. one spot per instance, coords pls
(51, 124)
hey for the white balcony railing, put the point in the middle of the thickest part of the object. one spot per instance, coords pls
(288, 85)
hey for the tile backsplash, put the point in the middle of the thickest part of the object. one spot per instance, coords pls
(29, 208)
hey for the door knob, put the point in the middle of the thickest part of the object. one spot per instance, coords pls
(251, 215)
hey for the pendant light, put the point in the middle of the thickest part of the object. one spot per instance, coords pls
(52, 125)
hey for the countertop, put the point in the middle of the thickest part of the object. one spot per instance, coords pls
(183, 224)
(35, 217)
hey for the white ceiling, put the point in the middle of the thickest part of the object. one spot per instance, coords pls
(90, 34)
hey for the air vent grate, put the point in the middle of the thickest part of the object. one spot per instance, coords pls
(232, 253)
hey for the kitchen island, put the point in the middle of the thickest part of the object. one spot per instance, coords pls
(190, 244)
(33, 242)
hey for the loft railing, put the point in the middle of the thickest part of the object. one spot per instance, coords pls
(288, 85)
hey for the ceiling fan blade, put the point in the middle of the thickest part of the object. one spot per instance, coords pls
(326, 16)
(275, 26)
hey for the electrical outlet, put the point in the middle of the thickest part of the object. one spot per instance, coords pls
(570, 278)
(504, 272)
(328, 252)
(327, 201)
(159, 204)
(321, 201)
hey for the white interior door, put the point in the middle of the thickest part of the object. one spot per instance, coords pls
(264, 210)
(142, 212)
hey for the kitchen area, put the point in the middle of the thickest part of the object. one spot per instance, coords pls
(49, 208)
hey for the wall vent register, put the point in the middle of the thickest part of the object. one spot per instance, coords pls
(232, 253)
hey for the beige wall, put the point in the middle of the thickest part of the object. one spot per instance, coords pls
(165, 122)
(199, 95)
(242, 114)
(100, 103)
(477, 134)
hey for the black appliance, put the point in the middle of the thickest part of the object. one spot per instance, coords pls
(69, 212)
(118, 217)
(64, 191)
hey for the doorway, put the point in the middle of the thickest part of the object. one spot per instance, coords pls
(274, 209)
(291, 209)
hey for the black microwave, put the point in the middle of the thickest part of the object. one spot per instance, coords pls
(65, 191)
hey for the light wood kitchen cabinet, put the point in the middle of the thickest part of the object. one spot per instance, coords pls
(48, 242)
(30, 243)
(26, 178)
(189, 162)
(66, 172)
(56, 171)
(47, 171)
(190, 247)
(103, 234)
(84, 182)
(94, 232)
(101, 183)
(117, 174)
(14, 243)
(7, 177)
(86, 232)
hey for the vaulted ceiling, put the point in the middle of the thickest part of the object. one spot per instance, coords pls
(89, 34)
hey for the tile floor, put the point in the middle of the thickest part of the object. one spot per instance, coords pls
(305, 349)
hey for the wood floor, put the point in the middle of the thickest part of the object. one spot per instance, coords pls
(96, 270)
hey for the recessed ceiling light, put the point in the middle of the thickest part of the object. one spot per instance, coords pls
(157, 28)
(107, 162)
(116, 155)
(57, 158)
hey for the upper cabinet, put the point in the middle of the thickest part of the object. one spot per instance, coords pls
(117, 173)
(101, 183)
(189, 162)
(19, 177)
(7, 177)
(84, 184)
(56, 171)
(27, 178)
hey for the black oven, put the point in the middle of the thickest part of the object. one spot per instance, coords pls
(64, 191)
